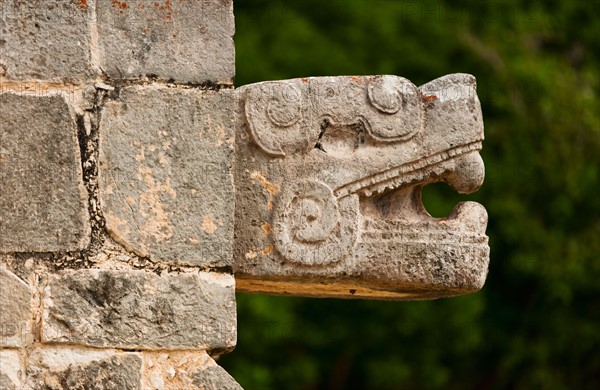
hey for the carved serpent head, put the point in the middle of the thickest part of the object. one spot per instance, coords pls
(329, 179)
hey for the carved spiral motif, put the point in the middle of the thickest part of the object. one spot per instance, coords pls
(399, 99)
(284, 108)
(311, 227)
(384, 93)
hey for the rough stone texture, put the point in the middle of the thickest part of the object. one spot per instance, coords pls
(11, 370)
(184, 370)
(140, 310)
(215, 378)
(166, 185)
(76, 368)
(186, 41)
(16, 311)
(46, 40)
(43, 206)
(329, 173)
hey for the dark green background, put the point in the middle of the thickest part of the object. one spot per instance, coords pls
(535, 324)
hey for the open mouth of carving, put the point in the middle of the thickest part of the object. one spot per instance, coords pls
(455, 166)
(314, 225)
(395, 194)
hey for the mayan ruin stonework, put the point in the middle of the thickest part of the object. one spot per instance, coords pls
(139, 190)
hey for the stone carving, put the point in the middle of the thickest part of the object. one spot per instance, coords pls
(311, 226)
(329, 179)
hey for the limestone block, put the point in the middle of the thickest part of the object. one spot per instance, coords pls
(78, 368)
(186, 41)
(329, 173)
(184, 370)
(166, 185)
(11, 370)
(140, 310)
(16, 311)
(45, 40)
(43, 206)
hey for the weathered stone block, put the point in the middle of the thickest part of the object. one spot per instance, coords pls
(166, 185)
(140, 310)
(184, 370)
(16, 311)
(11, 370)
(186, 41)
(45, 40)
(43, 206)
(329, 173)
(78, 368)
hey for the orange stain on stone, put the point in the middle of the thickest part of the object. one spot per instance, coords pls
(272, 189)
(266, 228)
(267, 250)
(428, 98)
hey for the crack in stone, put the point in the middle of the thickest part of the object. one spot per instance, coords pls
(100, 240)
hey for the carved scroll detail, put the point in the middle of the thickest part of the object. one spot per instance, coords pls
(276, 115)
(311, 226)
(285, 117)
(395, 97)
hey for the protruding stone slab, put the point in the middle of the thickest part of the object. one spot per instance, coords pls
(11, 370)
(166, 184)
(185, 370)
(186, 41)
(16, 311)
(329, 178)
(45, 40)
(43, 206)
(140, 310)
(77, 368)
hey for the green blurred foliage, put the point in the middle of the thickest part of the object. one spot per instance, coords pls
(536, 322)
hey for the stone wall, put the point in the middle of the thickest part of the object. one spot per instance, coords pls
(116, 206)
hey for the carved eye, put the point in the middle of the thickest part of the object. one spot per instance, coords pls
(385, 94)
(398, 104)
(284, 109)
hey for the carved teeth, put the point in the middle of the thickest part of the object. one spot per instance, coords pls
(434, 165)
